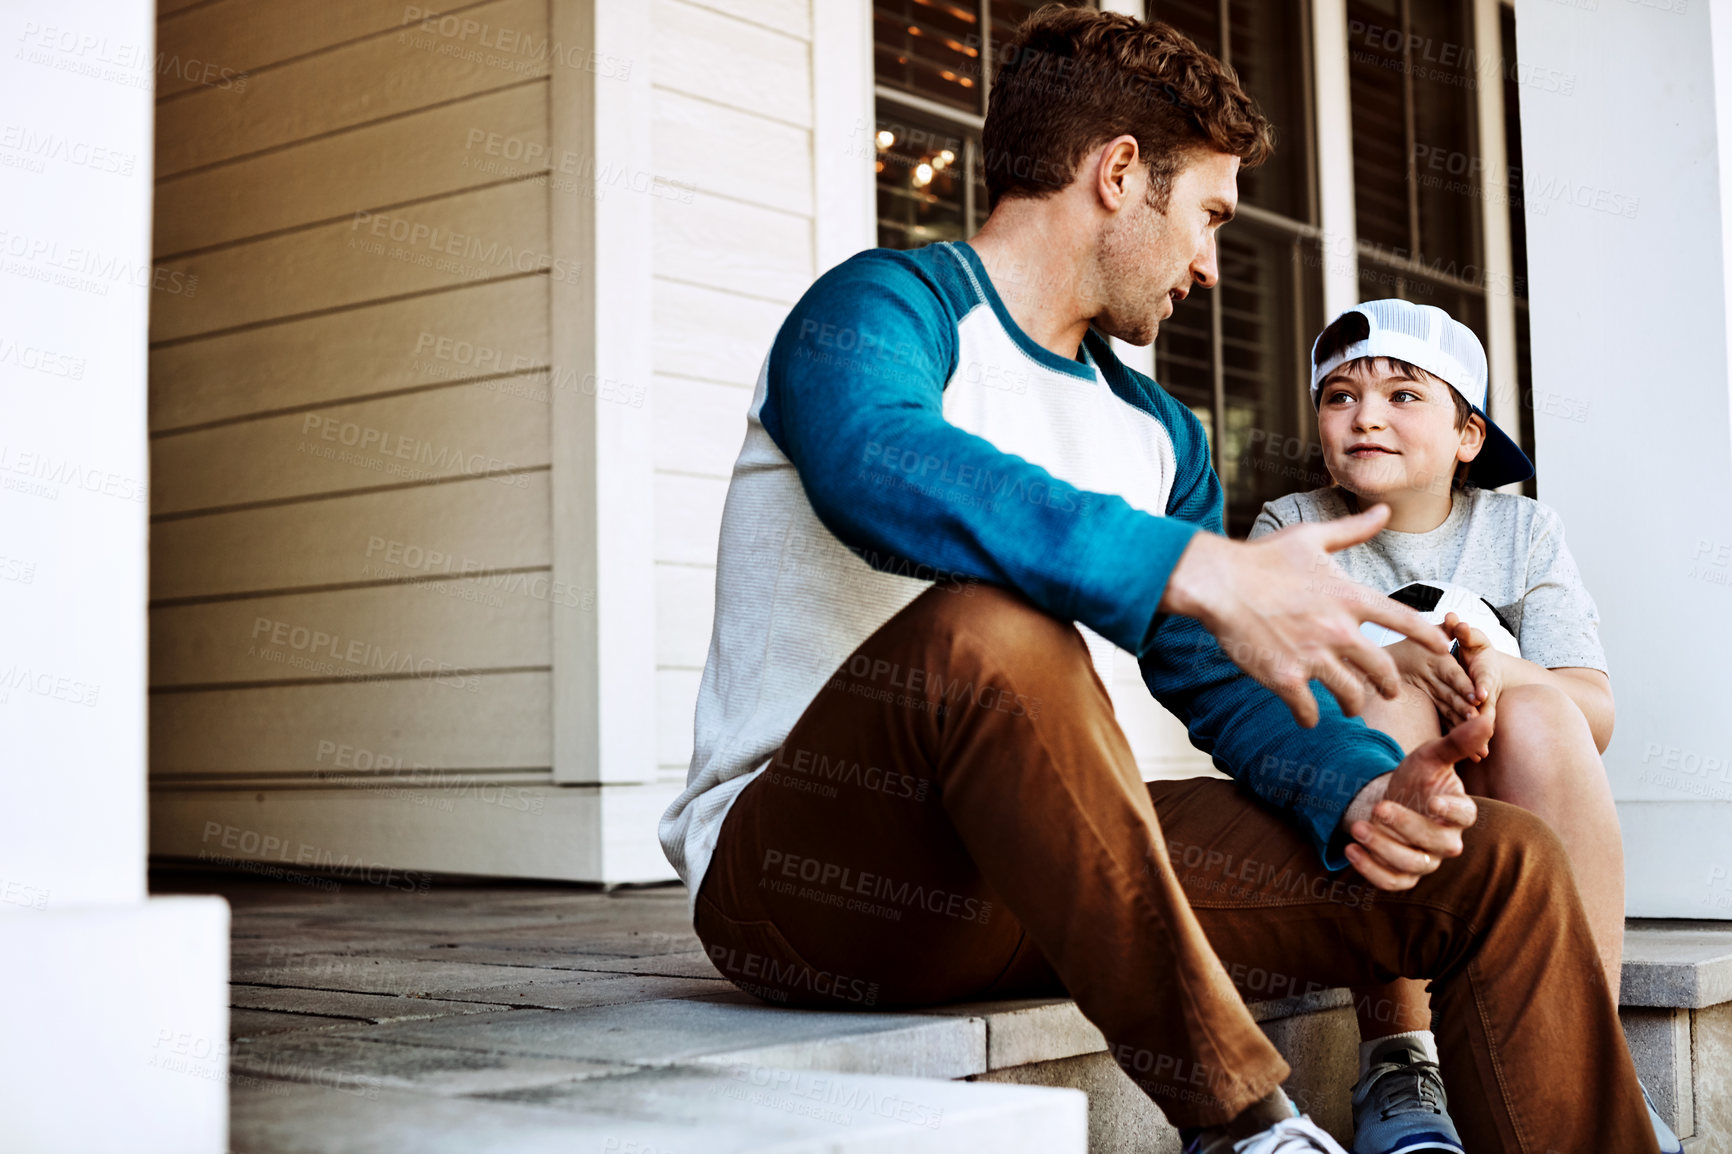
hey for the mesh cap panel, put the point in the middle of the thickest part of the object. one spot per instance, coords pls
(1422, 335)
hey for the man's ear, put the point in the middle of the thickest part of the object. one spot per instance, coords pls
(1116, 167)
(1472, 438)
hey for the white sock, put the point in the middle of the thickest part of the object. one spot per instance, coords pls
(1424, 1039)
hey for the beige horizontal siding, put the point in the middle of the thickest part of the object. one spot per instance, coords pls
(460, 239)
(382, 75)
(432, 628)
(478, 330)
(279, 30)
(490, 721)
(352, 532)
(396, 535)
(450, 148)
(494, 428)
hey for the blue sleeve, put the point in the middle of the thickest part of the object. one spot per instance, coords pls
(1311, 773)
(854, 398)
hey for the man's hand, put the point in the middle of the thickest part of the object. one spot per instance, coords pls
(1405, 823)
(1484, 666)
(1286, 613)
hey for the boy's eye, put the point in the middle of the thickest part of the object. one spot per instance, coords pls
(1405, 395)
(1337, 398)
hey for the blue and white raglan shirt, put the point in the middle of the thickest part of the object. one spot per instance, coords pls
(905, 432)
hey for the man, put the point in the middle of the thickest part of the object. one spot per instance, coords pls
(908, 785)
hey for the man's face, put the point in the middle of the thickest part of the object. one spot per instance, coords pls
(1149, 259)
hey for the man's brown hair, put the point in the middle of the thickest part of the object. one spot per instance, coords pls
(1072, 79)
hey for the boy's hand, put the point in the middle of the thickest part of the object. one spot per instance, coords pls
(1439, 676)
(1285, 613)
(1482, 664)
(1405, 823)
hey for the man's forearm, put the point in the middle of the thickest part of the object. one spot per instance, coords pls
(1198, 581)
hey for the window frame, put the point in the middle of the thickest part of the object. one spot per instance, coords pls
(1322, 184)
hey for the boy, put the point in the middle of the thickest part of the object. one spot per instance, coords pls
(1400, 393)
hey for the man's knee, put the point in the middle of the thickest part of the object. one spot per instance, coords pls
(1509, 845)
(1011, 628)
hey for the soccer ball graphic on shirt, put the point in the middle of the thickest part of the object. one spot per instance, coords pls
(1435, 600)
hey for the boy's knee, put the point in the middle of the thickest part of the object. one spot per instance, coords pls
(1535, 704)
(1411, 718)
(1539, 729)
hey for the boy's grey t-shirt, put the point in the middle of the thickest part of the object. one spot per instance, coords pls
(1507, 548)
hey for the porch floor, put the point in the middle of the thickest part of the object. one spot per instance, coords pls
(526, 1017)
(529, 1017)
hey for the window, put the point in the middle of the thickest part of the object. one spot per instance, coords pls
(1420, 197)
(932, 88)
(1232, 356)
(1238, 356)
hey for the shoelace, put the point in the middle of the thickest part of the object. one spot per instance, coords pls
(1414, 1084)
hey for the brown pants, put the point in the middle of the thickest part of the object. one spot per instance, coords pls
(957, 816)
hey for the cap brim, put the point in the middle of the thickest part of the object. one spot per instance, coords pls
(1500, 461)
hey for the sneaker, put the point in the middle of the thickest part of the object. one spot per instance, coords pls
(1399, 1105)
(1293, 1136)
(1669, 1143)
(1298, 1135)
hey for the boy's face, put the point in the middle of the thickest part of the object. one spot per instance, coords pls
(1389, 433)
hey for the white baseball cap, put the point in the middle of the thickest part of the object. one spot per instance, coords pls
(1428, 338)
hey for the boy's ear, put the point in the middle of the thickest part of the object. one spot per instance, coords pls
(1472, 438)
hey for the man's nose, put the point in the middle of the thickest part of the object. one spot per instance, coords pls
(1206, 268)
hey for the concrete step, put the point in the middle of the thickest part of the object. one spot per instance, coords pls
(507, 1018)
(668, 1110)
(1049, 1043)
(1677, 1014)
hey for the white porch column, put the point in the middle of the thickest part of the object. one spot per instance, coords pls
(1504, 395)
(1330, 93)
(1625, 139)
(115, 1016)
